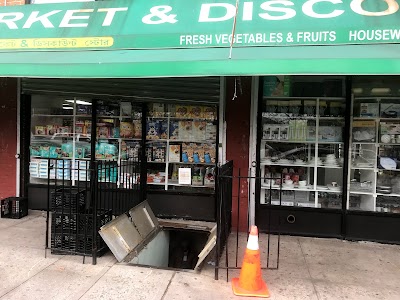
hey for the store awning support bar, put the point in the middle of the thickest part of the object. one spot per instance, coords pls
(233, 29)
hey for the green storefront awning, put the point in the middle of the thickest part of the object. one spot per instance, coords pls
(351, 59)
(141, 38)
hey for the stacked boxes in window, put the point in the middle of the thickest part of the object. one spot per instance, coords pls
(72, 223)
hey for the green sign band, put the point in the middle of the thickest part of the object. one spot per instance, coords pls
(143, 24)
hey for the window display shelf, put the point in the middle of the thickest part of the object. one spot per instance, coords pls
(361, 192)
(287, 141)
(388, 195)
(190, 185)
(53, 116)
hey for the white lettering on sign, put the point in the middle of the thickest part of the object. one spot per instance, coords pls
(356, 6)
(315, 37)
(10, 18)
(230, 12)
(69, 16)
(34, 17)
(374, 35)
(196, 39)
(110, 14)
(247, 11)
(288, 13)
(308, 9)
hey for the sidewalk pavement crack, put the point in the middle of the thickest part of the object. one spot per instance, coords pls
(78, 295)
(308, 269)
(169, 283)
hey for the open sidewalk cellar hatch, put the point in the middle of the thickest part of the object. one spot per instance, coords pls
(138, 237)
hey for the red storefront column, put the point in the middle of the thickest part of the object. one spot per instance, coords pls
(8, 136)
(237, 142)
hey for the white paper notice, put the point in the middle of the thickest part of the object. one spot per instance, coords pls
(185, 176)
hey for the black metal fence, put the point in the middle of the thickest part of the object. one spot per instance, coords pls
(82, 197)
(233, 217)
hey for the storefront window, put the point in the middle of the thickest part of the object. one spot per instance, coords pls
(302, 141)
(181, 147)
(375, 150)
(180, 143)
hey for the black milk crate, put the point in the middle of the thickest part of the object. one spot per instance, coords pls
(69, 201)
(84, 245)
(85, 221)
(64, 223)
(61, 241)
(14, 207)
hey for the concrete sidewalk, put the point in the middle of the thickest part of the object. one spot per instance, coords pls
(309, 269)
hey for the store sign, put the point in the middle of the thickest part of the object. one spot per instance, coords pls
(143, 24)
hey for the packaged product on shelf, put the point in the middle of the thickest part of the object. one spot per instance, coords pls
(175, 174)
(389, 128)
(187, 152)
(87, 129)
(309, 107)
(126, 130)
(172, 110)
(311, 133)
(55, 152)
(182, 111)
(294, 106)
(266, 135)
(44, 151)
(210, 112)
(369, 110)
(34, 150)
(157, 110)
(199, 130)
(209, 176)
(283, 106)
(66, 149)
(300, 130)
(152, 130)
(363, 131)
(199, 153)
(63, 130)
(174, 130)
(40, 130)
(126, 109)
(211, 132)
(163, 129)
(115, 132)
(51, 129)
(275, 132)
(149, 153)
(330, 133)
(390, 110)
(209, 153)
(174, 153)
(195, 112)
(185, 130)
(79, 127)
(79, 152)
(337, 109)
(284, 132)
(159, 153)
(198, 176)
(137, 129)
(130, 150)
(103, 131)
(111, 151)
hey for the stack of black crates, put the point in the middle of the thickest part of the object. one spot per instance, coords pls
(72, 223)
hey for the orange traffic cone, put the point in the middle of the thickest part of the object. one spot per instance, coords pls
(250, 282)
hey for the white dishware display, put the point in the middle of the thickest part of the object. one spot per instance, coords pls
(385, 138)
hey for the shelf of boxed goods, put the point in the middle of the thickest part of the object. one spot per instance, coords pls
(300, 189)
